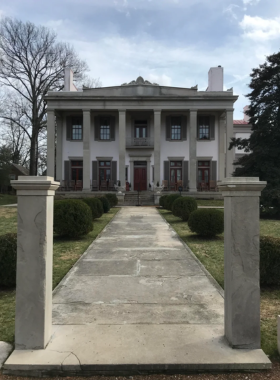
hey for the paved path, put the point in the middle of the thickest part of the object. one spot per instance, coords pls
(138, 301)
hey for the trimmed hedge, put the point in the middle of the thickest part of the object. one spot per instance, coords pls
(112, 198)
(72, 218)
(183, 206)
(269, 260)
(169, 201)
(162, 200)
(95, 206)
(8, 259)
(206, 222)
(105, 204)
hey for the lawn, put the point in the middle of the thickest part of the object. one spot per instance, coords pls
(211, 253)
(7, 199)
(65, 254)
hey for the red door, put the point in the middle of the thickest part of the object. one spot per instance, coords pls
(140, 179)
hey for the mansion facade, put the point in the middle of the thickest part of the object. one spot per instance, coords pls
(142, 133)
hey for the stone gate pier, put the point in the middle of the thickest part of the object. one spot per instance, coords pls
(138, 301)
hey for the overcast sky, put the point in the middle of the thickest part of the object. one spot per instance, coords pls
(171, 42)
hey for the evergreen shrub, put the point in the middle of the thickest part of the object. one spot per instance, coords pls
(269, 260)
(206, 222)
(95, 206)
(112, 198)
(169, 201)
(183, 206)
(72, 218)
(8, 259)
(162, 200)
(105, 203)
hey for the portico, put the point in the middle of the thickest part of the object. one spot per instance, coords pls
(139, 119)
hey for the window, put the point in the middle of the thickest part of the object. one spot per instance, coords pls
(176, 128)
(77, 170)
(77, 129)
(204, 128)
(105, 129)
(140, 129)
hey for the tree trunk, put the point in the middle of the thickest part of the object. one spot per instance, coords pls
(33, 154)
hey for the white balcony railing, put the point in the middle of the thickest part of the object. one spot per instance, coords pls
(141, 142)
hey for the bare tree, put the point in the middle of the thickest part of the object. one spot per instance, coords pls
(32, 63)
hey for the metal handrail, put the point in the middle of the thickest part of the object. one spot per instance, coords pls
(141, 141)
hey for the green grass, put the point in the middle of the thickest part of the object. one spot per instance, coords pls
(7, 199)
(211, 254)
(65, 254)
(210, 202)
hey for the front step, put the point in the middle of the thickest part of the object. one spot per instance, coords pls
(146, 198)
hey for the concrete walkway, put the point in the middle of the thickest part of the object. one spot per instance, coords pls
(136, 302)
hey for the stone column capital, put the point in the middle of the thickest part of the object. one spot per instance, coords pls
(31, 185)
(86, 111)
(241, 186)
(157, 111)
(193, 110)
(123, 111)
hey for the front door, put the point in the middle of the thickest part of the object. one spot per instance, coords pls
(140, 179)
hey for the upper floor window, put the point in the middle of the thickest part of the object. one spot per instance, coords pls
(105, 129)
(206, 128)
(77, 132)
(141, 129)
(176, 128)
(74, 128)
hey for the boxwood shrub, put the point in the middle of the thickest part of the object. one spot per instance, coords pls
(206, 222)
(112, 198)
(183, 206)
(8, 259)
(95, 206)
(105, 203)
(269, 260)
(72, 218)
(169, 201)
(162, 200)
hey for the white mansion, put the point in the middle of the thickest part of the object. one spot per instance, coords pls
(142, 133)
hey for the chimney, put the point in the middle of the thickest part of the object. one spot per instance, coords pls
(216, 79)
(246, 117)
(68, 80)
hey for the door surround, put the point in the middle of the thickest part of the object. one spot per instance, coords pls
(135, 158)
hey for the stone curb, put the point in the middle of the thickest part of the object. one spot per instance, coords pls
(5, 350)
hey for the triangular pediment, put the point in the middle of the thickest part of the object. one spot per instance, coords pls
(141, 88)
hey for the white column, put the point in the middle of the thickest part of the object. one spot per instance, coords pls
(242, 287)
(193, 158)
(122, 140)
(222, 157)
(59, 124)
(50, 142)
(229, 134)
(157, 139)
(86, 150)
(33, 322)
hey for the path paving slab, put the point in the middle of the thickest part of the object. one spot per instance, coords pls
(138, 301)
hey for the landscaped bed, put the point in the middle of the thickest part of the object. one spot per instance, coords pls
(211, 253)
(65, 253)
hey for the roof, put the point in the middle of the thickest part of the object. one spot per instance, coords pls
(240, 122)
(21, 169)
